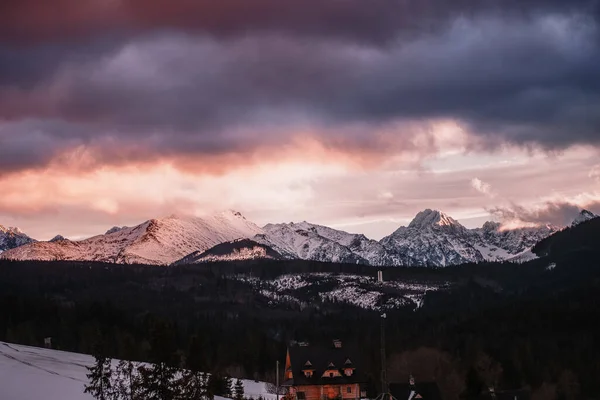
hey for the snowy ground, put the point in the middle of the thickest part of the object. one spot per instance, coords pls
(32, 373)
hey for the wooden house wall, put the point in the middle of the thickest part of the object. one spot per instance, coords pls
(319, 392)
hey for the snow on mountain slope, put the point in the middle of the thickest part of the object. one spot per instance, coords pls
(583, 216)
(498, 244)
(320, 243)
(523, 257)
(11, 238)
(302, 290)
(433, 238)
(240, 249)
(33, 373)
(158, 241)
(436, 239)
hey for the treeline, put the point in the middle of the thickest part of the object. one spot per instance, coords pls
(583, 237)
(170, 375)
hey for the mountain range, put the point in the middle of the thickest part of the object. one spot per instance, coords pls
(12, 237)
(431, 239)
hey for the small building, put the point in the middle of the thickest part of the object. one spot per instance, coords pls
(415, 391)
(323, 372)
(518, 394)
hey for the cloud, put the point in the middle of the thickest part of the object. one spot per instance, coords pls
(554, 213)
(595, 173)
(529, 82)
(385, 195)
(378, 22)
(304, 183)
(482, 187)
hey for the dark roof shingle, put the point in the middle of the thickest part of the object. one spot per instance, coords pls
(321, 359)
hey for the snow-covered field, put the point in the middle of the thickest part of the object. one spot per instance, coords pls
(32, 373)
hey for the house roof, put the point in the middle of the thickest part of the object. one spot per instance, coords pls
(422, 390)
(324, 358)
(522, 394)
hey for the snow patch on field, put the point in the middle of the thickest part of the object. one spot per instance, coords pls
(33, 373)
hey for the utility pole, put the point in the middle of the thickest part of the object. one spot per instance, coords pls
(277, 378)
(384, 388)
(385, 394)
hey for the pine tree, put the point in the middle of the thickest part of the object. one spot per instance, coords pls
(158, 382)
(228, 386)
(99, 376)
(194, 383)
(239, 390)
(126, 381)
(218, 385)
(158, 379)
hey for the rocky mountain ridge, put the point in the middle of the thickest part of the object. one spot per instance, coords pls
(431, 239)
(11, 238)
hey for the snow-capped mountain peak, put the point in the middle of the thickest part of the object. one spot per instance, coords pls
(232, 214)
(11, 237)
(115, 229)
(491, 226)
(10, 229)
(320, 243)
(157, 241)
(432, 238)
(428, 218)
(57, 238)
(584, 215)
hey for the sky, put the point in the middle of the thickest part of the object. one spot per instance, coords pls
(347, 113)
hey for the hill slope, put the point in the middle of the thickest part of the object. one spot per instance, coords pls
(33, 373)
(240, 249)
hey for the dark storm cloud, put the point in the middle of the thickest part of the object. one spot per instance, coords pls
(373, 20)
(27, 66)
(208, 77)
(34, 142)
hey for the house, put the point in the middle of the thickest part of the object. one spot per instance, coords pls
(323, 372)
(492, 394)
(415, 391)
